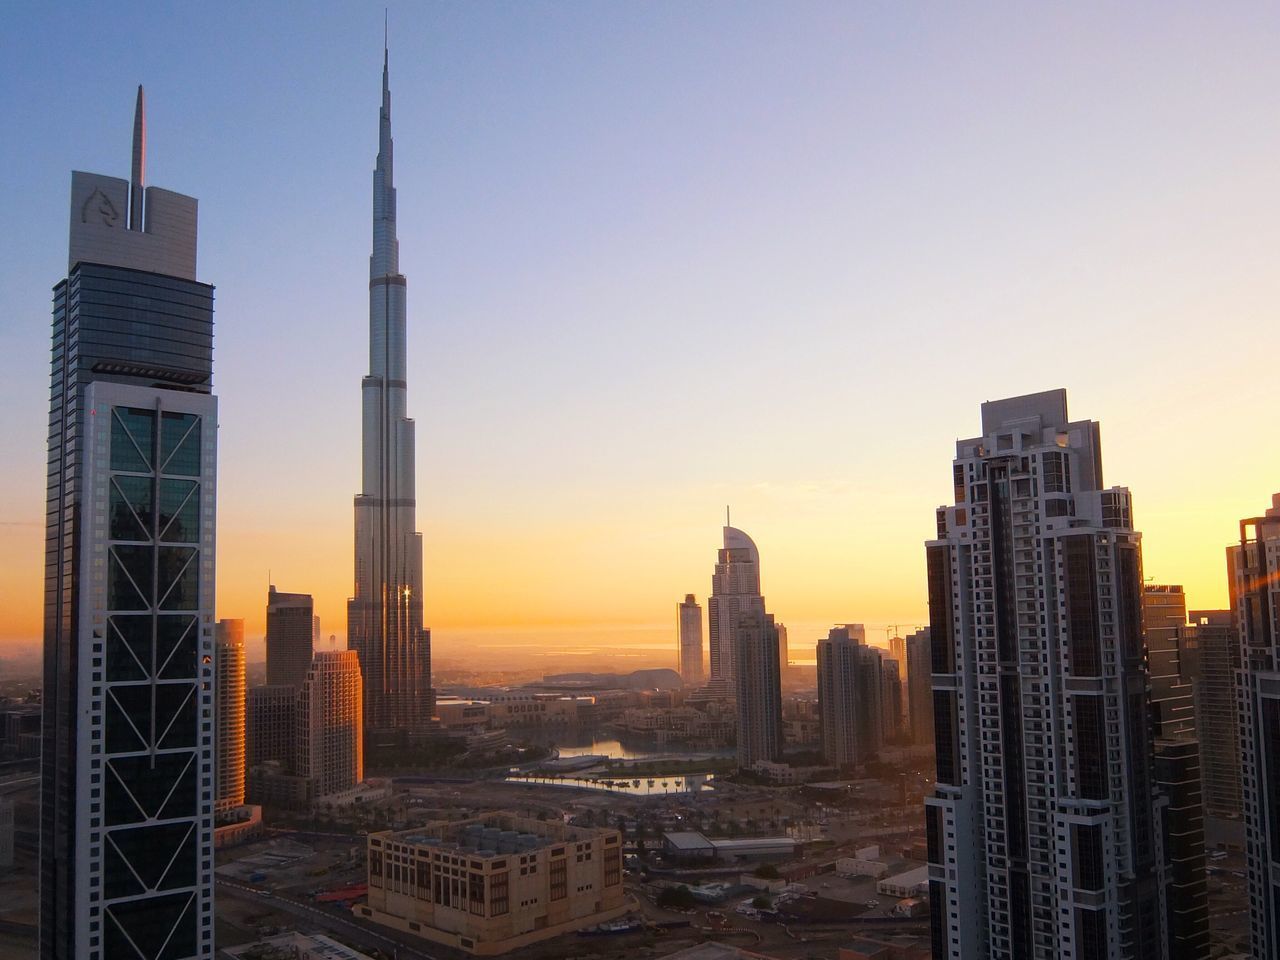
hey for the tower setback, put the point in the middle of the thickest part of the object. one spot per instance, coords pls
(384, 618)
(1045, 829)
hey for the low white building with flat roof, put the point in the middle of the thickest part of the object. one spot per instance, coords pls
(301, 946)
(909, 884)
(691, 845)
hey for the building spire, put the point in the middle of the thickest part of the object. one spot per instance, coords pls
(386, 258)
(137, 174)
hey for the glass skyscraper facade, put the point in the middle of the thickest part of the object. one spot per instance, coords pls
(127, 770)
(384, 618)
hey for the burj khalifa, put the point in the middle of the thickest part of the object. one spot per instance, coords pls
(384, 618)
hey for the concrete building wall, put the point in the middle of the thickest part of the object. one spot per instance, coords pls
(429, 882)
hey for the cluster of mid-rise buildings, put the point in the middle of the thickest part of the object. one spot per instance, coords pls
(1082, 724)
(298, 737)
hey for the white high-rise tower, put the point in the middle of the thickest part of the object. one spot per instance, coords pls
(1046, 834)
(384, 618)
(735, 591)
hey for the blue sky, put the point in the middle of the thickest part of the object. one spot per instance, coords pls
(667, 255)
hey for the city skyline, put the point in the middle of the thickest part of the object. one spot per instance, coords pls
(1134, 237)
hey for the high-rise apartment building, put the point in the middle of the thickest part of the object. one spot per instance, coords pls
(784, 654)
(1164, 618)
(920, 686)
(384, 618)
(1214, 638)
(1255, 564)
(1045, 829)
(898, 651)
(759, 689)
(735, 591)
(272, 724)
(290, 637)
(850, 697)
(689, 625)
(330, 746)
(229, 714)
(126, 832)
(891, 697)
(1177, 765)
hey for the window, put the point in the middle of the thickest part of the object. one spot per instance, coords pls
(499, 903)
(559, 879)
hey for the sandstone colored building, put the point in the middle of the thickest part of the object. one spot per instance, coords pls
(495, 882)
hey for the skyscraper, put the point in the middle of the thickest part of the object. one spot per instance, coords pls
(784, 654)
(272, 725)
(126, 830)
(290, 637)
(1177, 765)
(1215, 639)
(759, 689)
(891, 697)
(735, 590)
(1256, 567)
(1045, 828)
(850, 697)
(689, 624)
(271, 746)
(920, 686)
(228, 714)
(330, 751)
(898, 651)
(384, 618)
(1164, 617)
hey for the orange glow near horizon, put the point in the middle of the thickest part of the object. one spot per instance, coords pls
(559, 585)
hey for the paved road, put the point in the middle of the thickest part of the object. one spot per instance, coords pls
(329, 920)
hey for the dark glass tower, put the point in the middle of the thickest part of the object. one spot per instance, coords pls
(127, 801)
(289, 637)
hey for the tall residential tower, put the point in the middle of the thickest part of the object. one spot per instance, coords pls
(1045, 829)
(228, 714)
(126, 818)
(1255, 564)
(758, 683)
(384, 618)
(850, 697)
(290, 637)
(735, 591)
(689, 625)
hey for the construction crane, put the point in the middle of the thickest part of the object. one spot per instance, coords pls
(895, 629)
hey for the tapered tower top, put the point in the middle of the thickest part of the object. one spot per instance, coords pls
(385, 259)
(138, 170)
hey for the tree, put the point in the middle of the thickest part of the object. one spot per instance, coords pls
(677, 898)
(767, 871)
(762, 902)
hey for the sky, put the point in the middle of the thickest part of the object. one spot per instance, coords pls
(668, 257)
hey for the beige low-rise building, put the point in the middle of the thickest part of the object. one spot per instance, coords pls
(495, 882)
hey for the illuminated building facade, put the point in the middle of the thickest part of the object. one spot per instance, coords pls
(494, 883)
(229, 714)
(384, 618)
(1045, 829)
